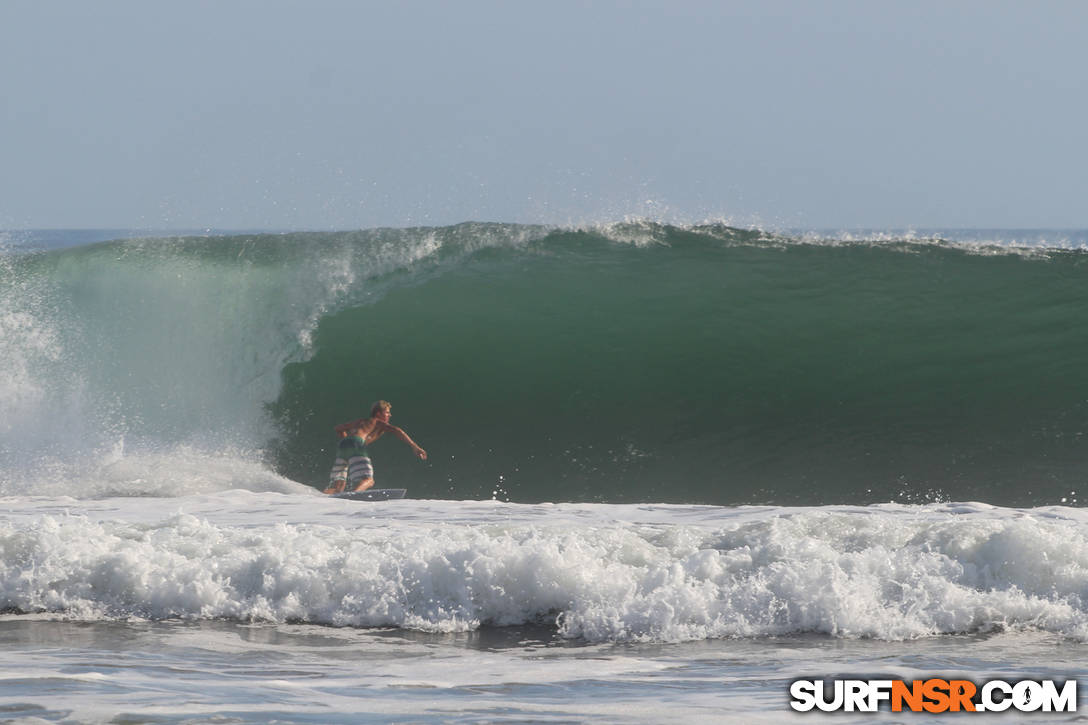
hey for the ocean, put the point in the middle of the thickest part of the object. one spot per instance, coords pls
(672, 469)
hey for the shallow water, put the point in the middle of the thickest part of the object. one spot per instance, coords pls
(178, 672)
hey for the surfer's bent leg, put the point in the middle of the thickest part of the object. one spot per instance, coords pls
(338, 476)
(360, 473)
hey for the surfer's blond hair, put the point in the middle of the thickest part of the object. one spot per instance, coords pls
(382, 406)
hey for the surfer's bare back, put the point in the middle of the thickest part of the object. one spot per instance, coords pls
(352, 465)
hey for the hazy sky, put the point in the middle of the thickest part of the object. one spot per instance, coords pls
(330, 115)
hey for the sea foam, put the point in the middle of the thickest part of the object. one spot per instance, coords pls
(884, 572)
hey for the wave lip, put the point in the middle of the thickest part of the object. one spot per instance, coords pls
(884, 574)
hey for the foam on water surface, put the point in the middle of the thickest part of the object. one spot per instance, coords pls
(599, 573)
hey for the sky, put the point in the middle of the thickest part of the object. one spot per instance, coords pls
(317, 114)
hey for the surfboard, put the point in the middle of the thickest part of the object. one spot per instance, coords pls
(373, 494)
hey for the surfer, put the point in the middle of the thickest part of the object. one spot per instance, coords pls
(352, 465)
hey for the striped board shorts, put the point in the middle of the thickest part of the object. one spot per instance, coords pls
(352, 463)
(352, 470)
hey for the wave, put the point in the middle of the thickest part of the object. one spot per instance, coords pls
(888, 573)
(622, 362)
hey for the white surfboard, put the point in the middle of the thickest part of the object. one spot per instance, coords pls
(373, 494)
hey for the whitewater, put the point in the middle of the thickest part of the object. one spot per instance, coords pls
(672, 469)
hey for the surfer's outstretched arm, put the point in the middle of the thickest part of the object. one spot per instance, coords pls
(384, 427)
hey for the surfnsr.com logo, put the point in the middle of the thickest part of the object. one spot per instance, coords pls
(933, 695)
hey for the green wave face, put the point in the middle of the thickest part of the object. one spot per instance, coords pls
(708, 366)
(634, 363)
